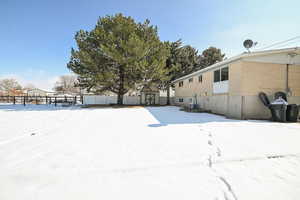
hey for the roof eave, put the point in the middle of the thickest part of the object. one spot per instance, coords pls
(236, 58)
(211, 67)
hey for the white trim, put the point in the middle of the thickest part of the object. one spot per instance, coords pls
(221, 87)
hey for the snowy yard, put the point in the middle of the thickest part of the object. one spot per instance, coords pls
(151, 153)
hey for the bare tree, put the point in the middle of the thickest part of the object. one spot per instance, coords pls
(9, 86)
(67, 84)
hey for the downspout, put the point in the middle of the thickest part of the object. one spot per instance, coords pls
(287, 89)
(242, 106)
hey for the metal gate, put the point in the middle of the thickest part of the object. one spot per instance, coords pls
(150, 99)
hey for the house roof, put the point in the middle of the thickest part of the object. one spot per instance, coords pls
(38, 90)
(295, 50)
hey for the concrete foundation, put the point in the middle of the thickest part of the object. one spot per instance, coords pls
(237, 107)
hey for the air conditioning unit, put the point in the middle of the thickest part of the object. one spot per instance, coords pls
(193, 106)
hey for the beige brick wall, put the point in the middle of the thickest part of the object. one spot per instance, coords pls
(269, 78)
(294, 79)
(203, 88)
(206, 87)
(265, 77)
(235, 78)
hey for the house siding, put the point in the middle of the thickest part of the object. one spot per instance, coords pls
(190, 89)
(246, 80)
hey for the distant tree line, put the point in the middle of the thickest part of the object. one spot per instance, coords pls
(120, 55)
(9, 86)
(66, 84)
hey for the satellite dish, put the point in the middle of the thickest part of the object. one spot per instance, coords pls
(248, 44)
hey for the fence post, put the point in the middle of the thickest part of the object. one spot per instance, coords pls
(46, 100)
(14, 100)
(75, 100)
(81, 99)
(55, 101)
(24, 101)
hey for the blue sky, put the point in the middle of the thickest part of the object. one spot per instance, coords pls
(36, 35)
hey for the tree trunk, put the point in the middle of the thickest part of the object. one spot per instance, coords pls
(121, 86)
(120, 99)
(168, 95)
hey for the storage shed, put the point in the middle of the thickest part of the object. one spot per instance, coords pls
(150, 95)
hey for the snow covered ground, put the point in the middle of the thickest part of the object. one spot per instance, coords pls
(150, 153)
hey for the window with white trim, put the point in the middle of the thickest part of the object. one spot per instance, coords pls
(221, 74)
(221, 77)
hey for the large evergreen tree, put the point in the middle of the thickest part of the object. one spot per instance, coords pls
(188, 60)
(210, 56)
(171, 66)
(182, 60)
(119, 54)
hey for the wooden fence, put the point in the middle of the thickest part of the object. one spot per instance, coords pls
(71, 100)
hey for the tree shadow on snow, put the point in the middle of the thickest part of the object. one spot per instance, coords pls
(172, 115)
